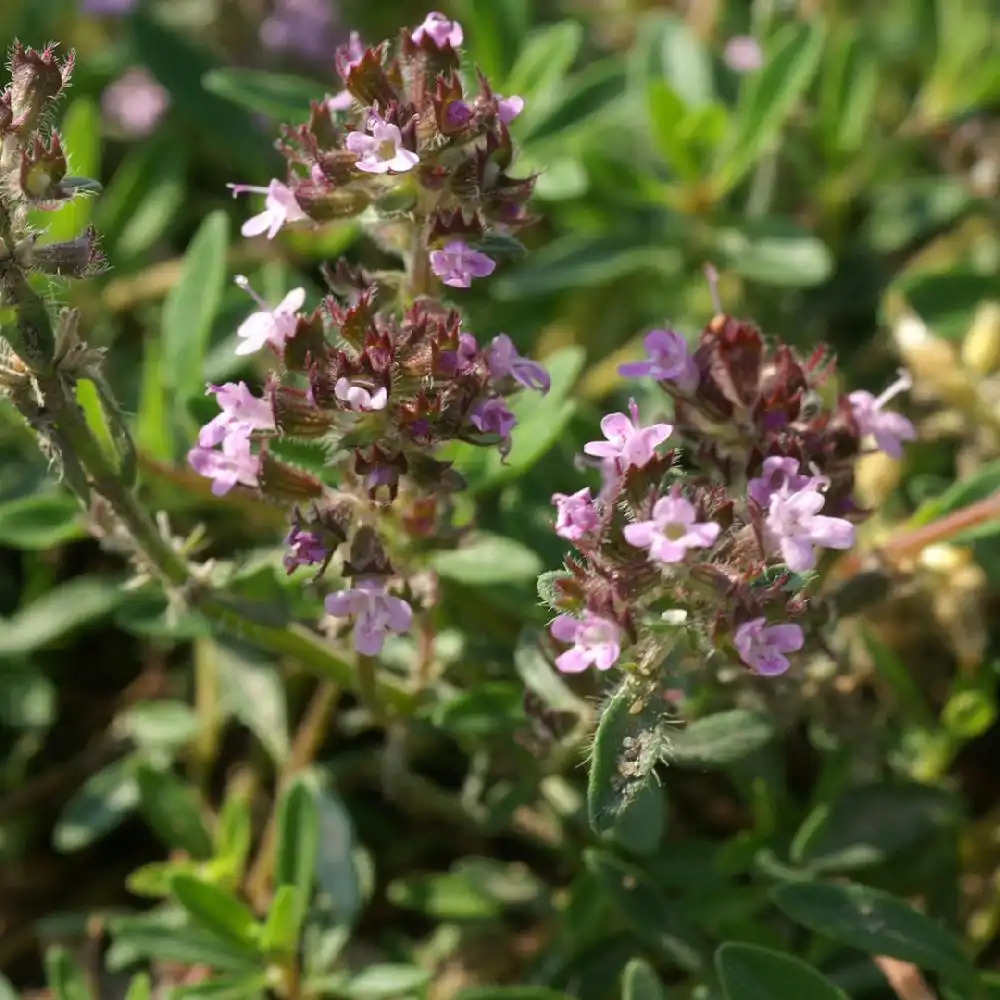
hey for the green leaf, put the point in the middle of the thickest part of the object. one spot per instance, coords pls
(80, 132)
(281, 931)
(215, 909)
(545, 58)
(721, 739)
(41, 521)
(848, 92)
(631, 739)
(869, 824)
(76, 604)
(298, 839)
(141, 203)
(969, 712)
(338, 882)
(640, 982)
(7, 991)
(947, 300)
(251, 987)
(584, 96)
(253, 691)
(165, 936)
(160, 725)
(767, 99)
(540, 677)
(875, 922)
(748, 972)
(667, 48)
(152, 424)
(488, 708)
(141, 987)
(279, 96)
(27, 698)
(172, 809)
(982, 483)
(660, 923)
(907, 212)
(234, 831)
(382, 982)
(97, 807)
(494, 33)
(774, 252)
(510, 993)
(669, 122)
(486, 561)
(450, 896)
(191, 306)
(65, 978)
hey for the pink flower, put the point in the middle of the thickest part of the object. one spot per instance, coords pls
(457, 264)
(576, 514)
(359, 398)
(627, 443)
(341, 101)
(672, 531)
(374, 611)
(508, 108)
(889, 429)
(743, 54)
(280, 207)
(595, 641)
(763, 647)
(794, 526)
(381, 151)
(504, 361)
(135, 102)
(669, 360)
(492, 417)
(440, 30)
(235, 463)
(349, 55)
(268, 326)
(779, 473)
(242, 412)
(305, 548)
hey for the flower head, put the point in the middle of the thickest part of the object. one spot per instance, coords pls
(743, 54)
(304, 548)
(235, 463)
(374, 611)
(628, 444)
(359, 398)
(280, 207)
(669, 360)
(440, 30)
(242, 412)
(493, 417)
(763, 647)
(779, 473)
(888, 429)
(576, 515)
(457, 264)
(504, 361)
(381, 151)
(595, 640)
(135, 102)
(672, 531)
(268, 326)
(795, 527)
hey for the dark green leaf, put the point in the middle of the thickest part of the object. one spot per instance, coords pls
(76, 604)
(65, 978)
(98, 806)
(382, 982)
(279, 96)
(850, 82)
(774, 252)
(338, 882)
(875, 922)
(252, 690)
(721, 739)
(215, 909)
(251, 987)
(752, 973)
(584, 95)
(487, 560)
(172, 809)
(492, 707)
(298, 839)
(191, 306)
(42, 521)
(640, 982)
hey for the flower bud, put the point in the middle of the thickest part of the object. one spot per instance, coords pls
(296, 416)
(42, 169)
(876, 475)
(281, 481)
(367, 556)
(323, 204)
(36, 80)
(981, 346)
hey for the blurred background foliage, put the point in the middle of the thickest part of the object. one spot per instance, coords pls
(847, 191)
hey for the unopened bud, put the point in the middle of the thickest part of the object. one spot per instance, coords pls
(323, 204)
(981, 347)
(876, 475)
(367, 556)
(37, 79)
(296, 416)
(42, 169)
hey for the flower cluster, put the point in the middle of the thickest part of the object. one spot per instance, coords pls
(712, 525)
(380, 373)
